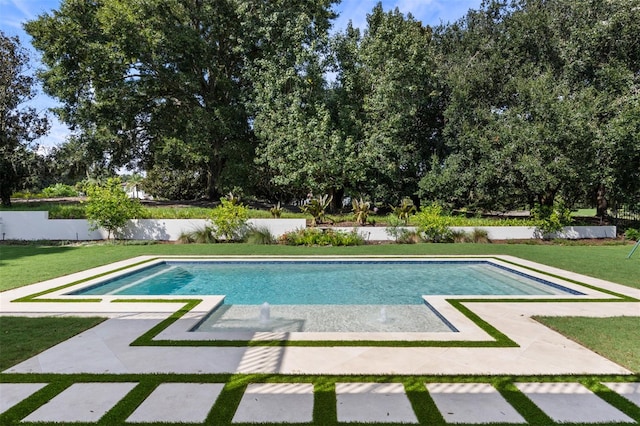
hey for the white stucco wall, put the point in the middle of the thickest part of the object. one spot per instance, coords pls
(37, 226)
(500, 232)
(21, 225)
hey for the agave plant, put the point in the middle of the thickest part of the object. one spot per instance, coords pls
(233, 199)
(361, 210)
(404, 210)
(317, 208)
(276, 211)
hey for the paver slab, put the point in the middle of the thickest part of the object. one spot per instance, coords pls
(472, 403)
(178, 402)
(276, 403)
(374, 403)
(572, 403)
(631, 391)
(81, 402)
(13, 393)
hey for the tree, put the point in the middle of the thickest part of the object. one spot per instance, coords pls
(300, 146)
(371, 131)
(535, 89)
(140, 78)
(229, 219)
(20, 125)
(109, 207)
(133, 183)
(402, 102)
(77, 159)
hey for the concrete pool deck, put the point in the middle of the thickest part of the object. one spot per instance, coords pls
(106, 349)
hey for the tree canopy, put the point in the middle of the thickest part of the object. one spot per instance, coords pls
(518, 103)
(165, 82)
(20, 125)
(536, 87)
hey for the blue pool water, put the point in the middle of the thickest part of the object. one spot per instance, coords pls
(326, 282)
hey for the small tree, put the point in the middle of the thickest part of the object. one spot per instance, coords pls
(551, 219)
(229, 219)
(109, 207)
(433, 224)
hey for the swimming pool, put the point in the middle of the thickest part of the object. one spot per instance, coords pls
(310, 296)
(388, 282)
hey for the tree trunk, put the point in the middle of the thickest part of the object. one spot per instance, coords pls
(7, 181)
(337, 195)
(5, 194)
(547, 198)
(213, 178)
(416, 201)
(601, 203)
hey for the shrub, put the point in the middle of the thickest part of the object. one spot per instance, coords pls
(632, 234)
(406, 236)
(404, 210)
(229, 219)
(260, 235)
(59, 190)
(185, 238)
(551, 219)
(456, 236)
(202, 235)
(276, 211)
(480, 236)
(64, 211)
(361, 210)
(433, 225)
(109, 207)
(317, 208)
(317, 237)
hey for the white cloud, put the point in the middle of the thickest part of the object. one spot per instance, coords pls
(25, 8)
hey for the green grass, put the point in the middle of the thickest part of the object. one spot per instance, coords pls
(21, 338)
(584, 213)
(617, 338)
(26, 264)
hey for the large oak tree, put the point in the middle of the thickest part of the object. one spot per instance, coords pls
(165, 82)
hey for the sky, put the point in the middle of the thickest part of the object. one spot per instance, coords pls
(13, 13)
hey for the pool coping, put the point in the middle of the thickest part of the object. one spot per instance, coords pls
(185, 312)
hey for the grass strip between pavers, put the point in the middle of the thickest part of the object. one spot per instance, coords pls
(500, 339)
(523, 405)
(324, 404)
(423, 405)
(612, 397)
(325, 401)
